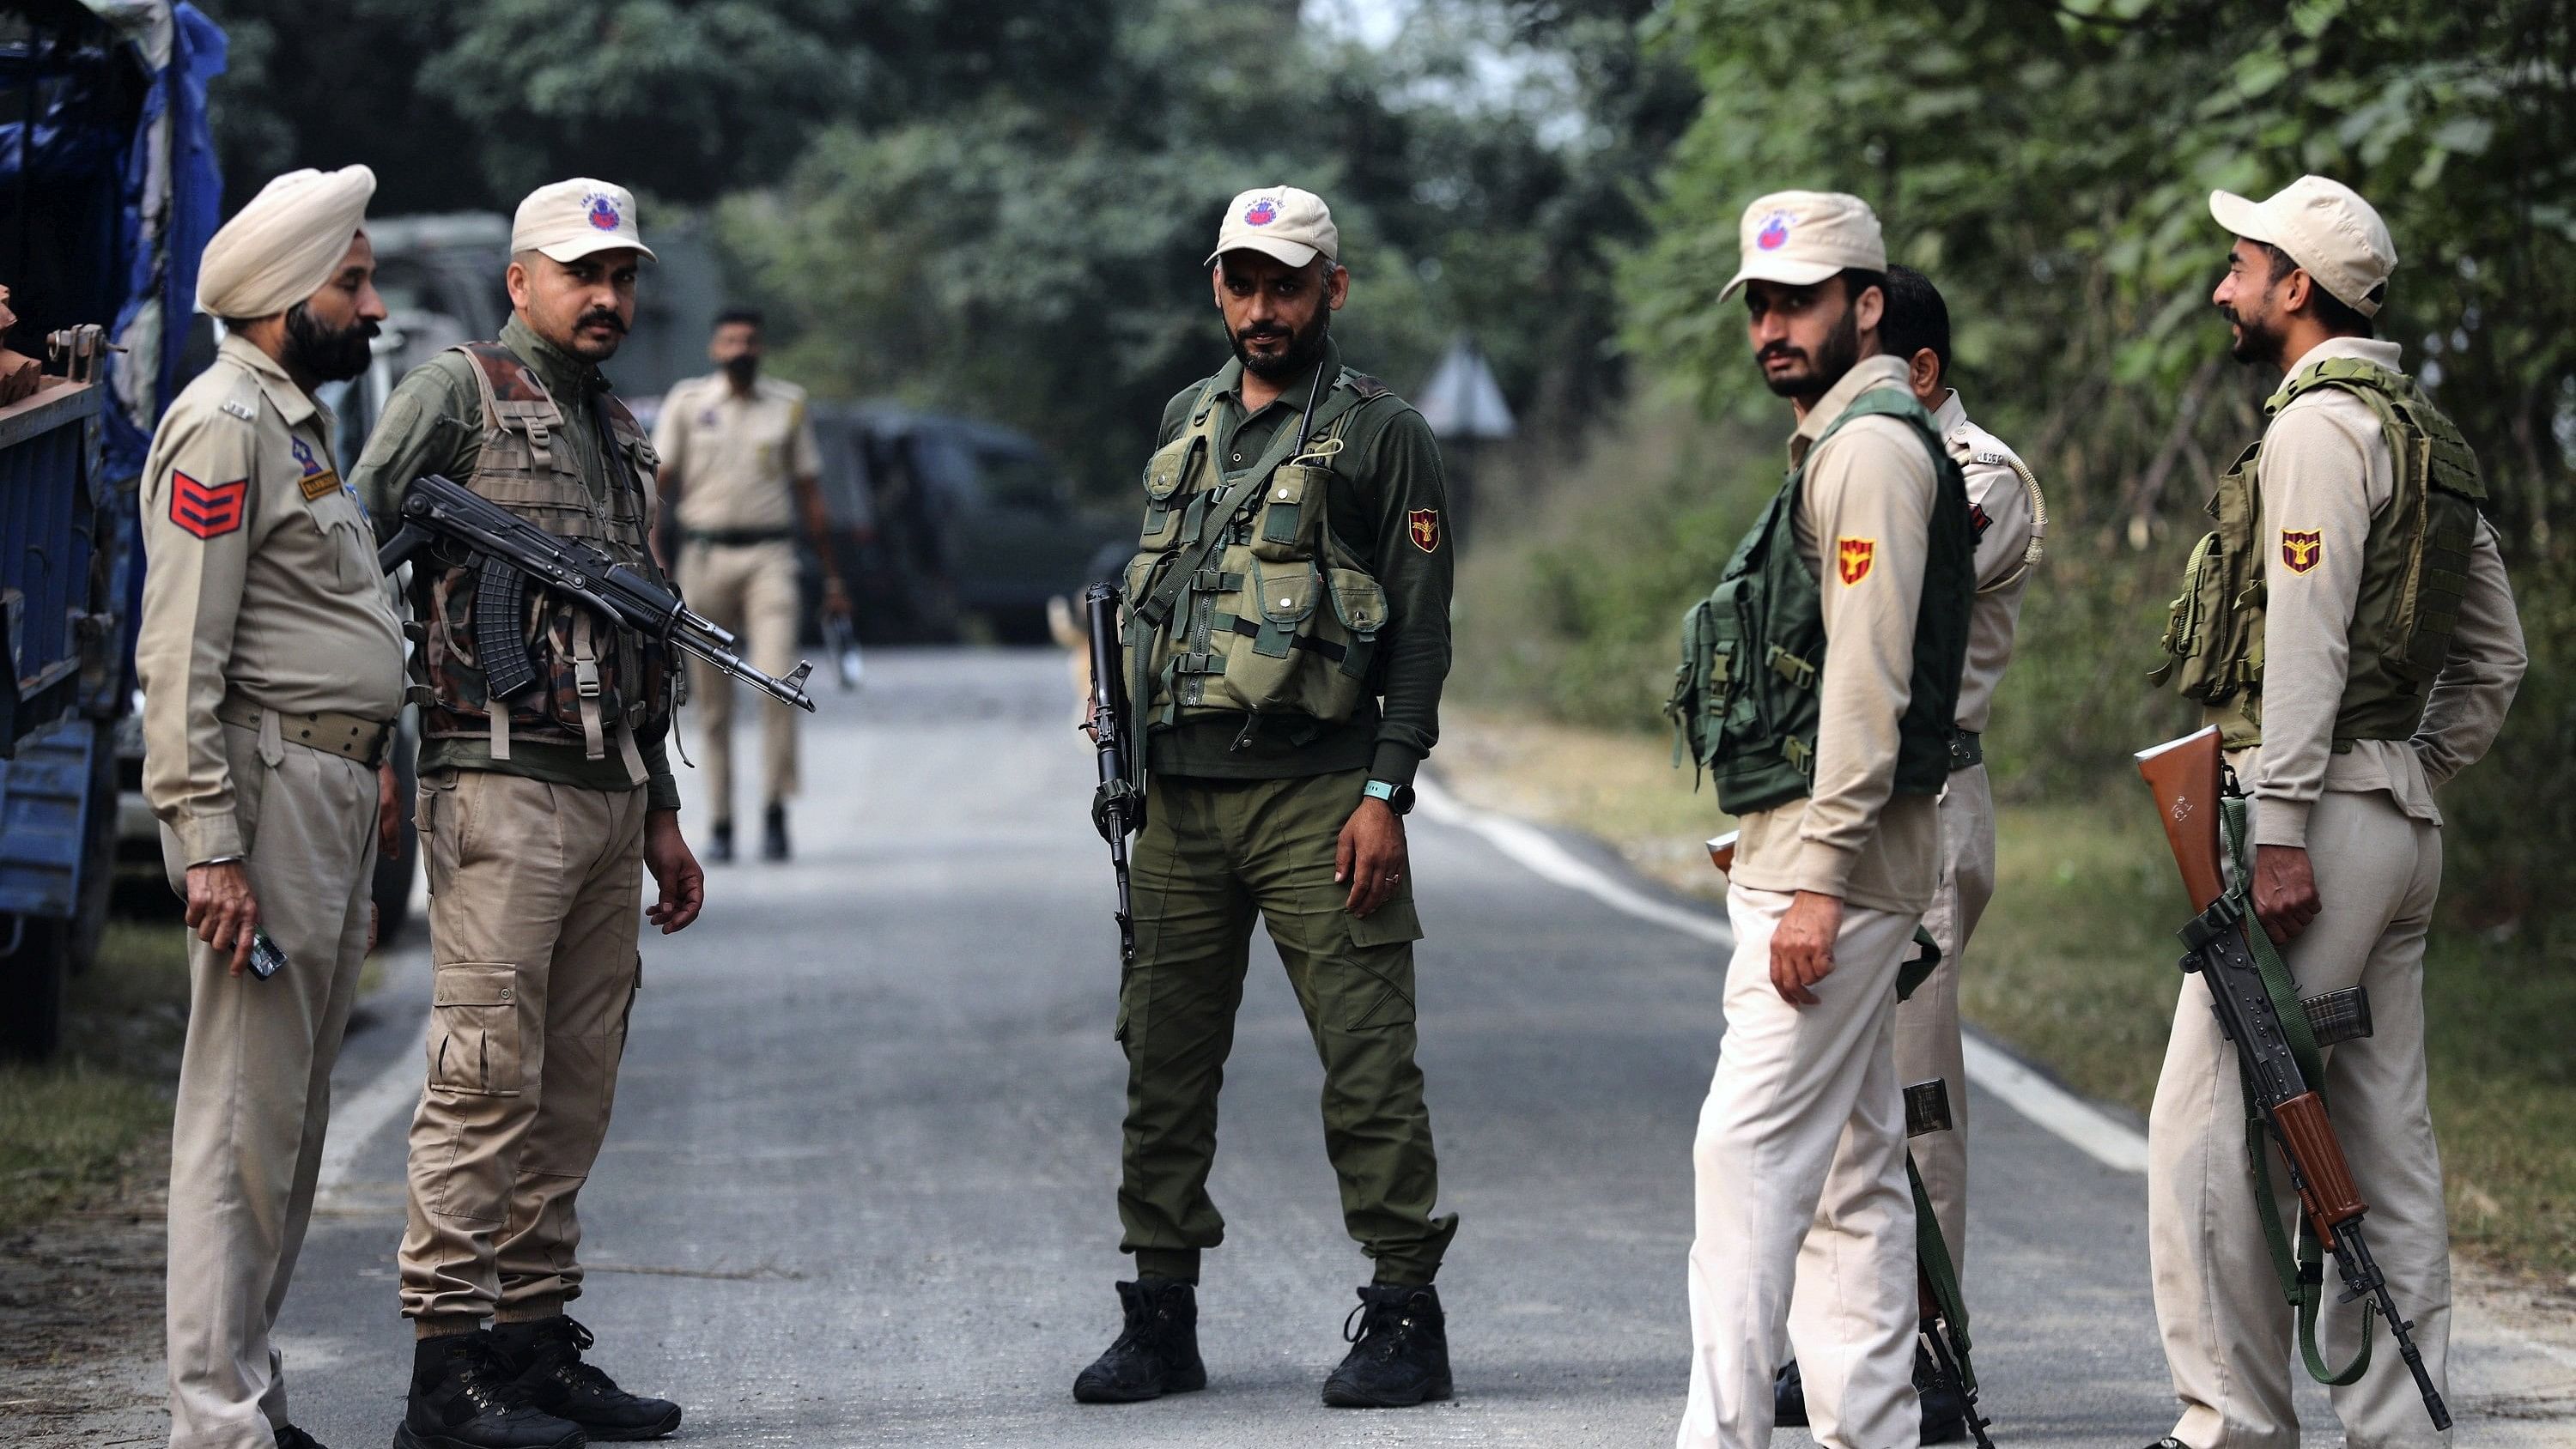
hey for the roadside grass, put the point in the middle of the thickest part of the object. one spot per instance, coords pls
(74, 1128)
(2074, 963)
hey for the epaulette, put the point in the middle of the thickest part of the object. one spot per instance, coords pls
(241, 400)
(1363, 384)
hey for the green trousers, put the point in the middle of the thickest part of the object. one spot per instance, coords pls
(1213, 854)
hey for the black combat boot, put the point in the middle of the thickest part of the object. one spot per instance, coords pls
(463, 1397)
(1945, 1409)
(547, 1355)
(773, 832)
(1399, 1350)
(1789, 1397)
(1157, 1352)
(720, 843)
(291, 1437)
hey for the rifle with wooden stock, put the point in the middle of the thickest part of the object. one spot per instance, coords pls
(1943, 1327)
(2276, 1037)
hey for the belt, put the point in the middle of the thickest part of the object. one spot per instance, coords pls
(1965, 750)
(739, 537)
(356, 736)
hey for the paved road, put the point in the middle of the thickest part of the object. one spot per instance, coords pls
(860, 1187)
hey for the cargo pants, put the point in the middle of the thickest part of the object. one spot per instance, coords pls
(1215, 854)
(255, 1084)
(535, 906)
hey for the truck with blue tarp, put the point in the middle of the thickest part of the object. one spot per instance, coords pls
(108, 192)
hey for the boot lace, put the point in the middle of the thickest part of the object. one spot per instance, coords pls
(482, 1375)
(560, 1343)
(1380, 1327)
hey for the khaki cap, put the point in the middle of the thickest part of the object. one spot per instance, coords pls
(2325, 226)
(571, 219)
(1800, 238)
(1278, 221)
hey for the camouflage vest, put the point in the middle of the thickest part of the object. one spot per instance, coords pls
(1745, 702)
(1241, 600)
(598, 686)
(2415, 564)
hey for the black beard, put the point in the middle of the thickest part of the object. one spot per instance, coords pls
(743, 371)
(2252, 344)
(1305, 349)
(1840, 353)
(323, 354)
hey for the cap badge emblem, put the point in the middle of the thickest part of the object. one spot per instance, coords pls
(603, 212)
(1261, 212)
(1774, 233)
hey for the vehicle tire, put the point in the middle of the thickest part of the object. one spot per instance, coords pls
(395, 872)
(31, 983)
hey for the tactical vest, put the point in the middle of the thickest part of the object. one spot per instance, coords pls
(598, 686)
(1745, 700)
(2415, 567)
(1240, 599)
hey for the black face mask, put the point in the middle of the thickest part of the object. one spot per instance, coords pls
(327, 355)
(742, 369)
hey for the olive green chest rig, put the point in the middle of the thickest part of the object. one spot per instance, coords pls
(1240, 600)
(1745, 702)
(2414, 570)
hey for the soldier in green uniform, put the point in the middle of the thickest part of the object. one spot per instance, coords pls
(1288, 634)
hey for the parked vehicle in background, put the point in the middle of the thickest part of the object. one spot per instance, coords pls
(961, 524)
(108, 192)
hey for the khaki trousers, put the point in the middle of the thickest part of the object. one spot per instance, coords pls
(1804, 1111)
(2227, 1331)
(535, 904)
(255, 1085)
(752, 592)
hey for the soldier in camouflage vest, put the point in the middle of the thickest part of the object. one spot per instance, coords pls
(538, 816)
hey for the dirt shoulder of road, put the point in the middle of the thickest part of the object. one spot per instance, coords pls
(2073, 967)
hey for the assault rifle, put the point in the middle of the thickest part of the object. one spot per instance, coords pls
(1943, 1328)
(1116, 808)
(2191, 789)
(463, 525)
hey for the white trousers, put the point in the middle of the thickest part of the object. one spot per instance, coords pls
(2227, 1331)
(1804, 1109)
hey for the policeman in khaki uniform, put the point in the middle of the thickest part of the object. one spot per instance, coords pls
(539, 816)
(2009, 517)
(2342, 706)
(271, 665)
(740, 463)
(1288, 637)
(1819, 687)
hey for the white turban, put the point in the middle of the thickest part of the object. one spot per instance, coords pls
(281, 248)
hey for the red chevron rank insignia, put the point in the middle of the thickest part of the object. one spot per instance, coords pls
(208, 511)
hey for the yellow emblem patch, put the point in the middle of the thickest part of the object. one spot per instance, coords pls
(2300, 550)
(1854, 556)
(317, 485)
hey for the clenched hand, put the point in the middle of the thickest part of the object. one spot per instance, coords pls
(675, 871)
(2285, 892)
(1802, 947)
(1370, 855)
(222, 908)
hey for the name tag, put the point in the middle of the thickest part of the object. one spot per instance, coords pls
(318, 484)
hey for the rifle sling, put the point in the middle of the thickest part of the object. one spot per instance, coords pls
(1932, 1253)
(2301, 1269)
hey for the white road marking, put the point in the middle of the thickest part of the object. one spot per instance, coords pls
(2099, 1135)
(359, 1116)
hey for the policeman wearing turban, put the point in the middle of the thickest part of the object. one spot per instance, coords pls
(271, 666)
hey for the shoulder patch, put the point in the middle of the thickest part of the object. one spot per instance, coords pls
(207, 510)
(1367, 386)
(240, 409)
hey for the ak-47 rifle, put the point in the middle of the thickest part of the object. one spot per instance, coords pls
(514, 553)
(1943, 1327)
(2188, 776)
(1116, 808)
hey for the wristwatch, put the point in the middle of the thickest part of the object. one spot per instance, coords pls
(1398, 798)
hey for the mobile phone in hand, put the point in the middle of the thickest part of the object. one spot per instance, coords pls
(265, 959)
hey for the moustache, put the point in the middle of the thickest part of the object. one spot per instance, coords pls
(601, 316)
(1263, 333)
(1779, 352)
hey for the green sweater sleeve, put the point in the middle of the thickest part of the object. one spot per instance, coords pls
(429, 425)
(1412, 504)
